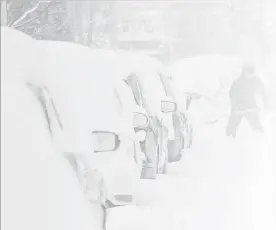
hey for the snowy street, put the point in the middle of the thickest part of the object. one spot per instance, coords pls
(138, 115)
(220, 184)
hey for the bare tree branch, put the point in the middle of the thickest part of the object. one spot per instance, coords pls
(27, 13)
(24, 23)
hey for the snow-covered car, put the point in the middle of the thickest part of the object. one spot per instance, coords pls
(176, 122)
(149, 94)
(132, 111)
(39, 188)
(134, 114)
(182, 126)
(85, 112)
(179, 128)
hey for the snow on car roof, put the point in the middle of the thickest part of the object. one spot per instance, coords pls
(79, 87)
(138, 61)
(147, 69)
(124, 63)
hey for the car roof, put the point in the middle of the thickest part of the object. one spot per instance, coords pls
(126, 62)
(145, 67)
(79, 86)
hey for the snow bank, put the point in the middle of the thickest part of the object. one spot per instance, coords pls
(208, 75)
(205, 74)
(146, 218)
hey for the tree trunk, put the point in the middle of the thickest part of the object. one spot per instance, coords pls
(79, 14)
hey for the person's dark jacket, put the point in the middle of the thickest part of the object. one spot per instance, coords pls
(243, 93)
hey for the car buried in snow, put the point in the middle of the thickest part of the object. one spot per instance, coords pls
(182, 126)
(40, 189)
(85, 113)
(136, 113)
(179, 127)
(148, 94)
(155, 145)
(39, 185)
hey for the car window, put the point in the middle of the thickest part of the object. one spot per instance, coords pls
(149, 81)
(48, 106)
(166, 85)
(51, 105)
(137, 90)
(126, 96)
(119, 103)
(141, 97)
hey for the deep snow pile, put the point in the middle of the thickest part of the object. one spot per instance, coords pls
(209, 76)
(205, 74)
(221, 184)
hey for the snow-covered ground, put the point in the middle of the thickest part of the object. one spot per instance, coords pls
(220, 184)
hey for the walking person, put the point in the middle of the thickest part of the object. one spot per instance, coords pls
(243, 101)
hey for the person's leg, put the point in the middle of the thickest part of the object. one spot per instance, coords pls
(254, 121)
(233, 124)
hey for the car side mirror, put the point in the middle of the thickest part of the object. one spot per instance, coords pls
(104, 141)
(168, 106)
(140, 120)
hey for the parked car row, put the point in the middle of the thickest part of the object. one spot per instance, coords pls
(108, 117)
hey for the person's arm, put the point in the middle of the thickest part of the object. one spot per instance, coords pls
(262, 92)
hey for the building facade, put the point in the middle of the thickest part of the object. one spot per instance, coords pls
(174, 29)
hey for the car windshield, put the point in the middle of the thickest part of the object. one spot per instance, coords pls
(100, 103)
(87, 100)
(118, 103)
(167, 86)
(48, 106)
(126, 96)
(136, 89)
(152, 89)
